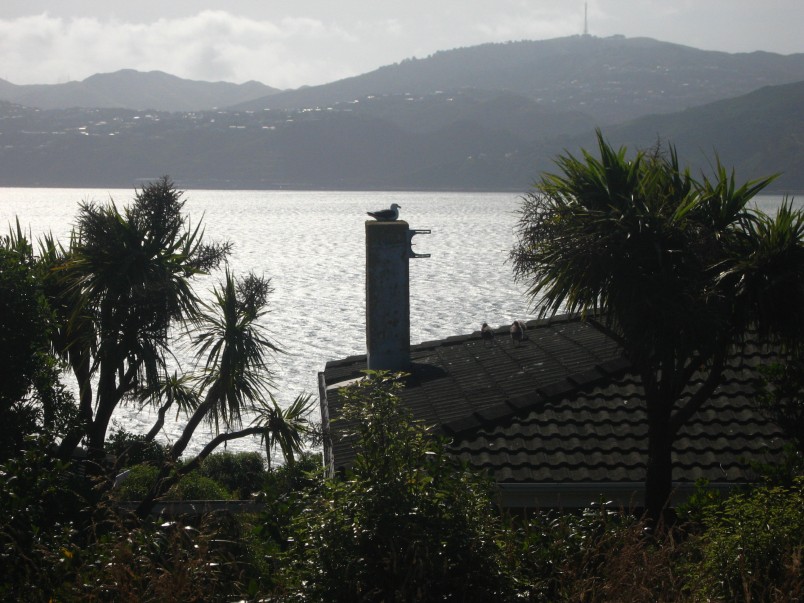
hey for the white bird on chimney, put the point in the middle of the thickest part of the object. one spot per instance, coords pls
(386, 215)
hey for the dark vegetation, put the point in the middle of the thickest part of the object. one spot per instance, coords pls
(107, 307)
(406, 522)
(680, 269)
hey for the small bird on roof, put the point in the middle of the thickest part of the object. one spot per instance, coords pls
(487, 333)
(386, 215)
(518, 332)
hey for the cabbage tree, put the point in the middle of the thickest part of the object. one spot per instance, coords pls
(233, 349)
(119, 287)
(679, 269)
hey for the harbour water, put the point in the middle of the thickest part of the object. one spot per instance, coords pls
(312, 246)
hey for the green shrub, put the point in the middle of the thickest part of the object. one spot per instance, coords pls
(242, 473)
(753, 547)
(135, 482)
(407, 524)
(133, 449)
(286, 479)
(194, 486)
(41, 514)
(692, 512)
(597, 554)
(140, 478)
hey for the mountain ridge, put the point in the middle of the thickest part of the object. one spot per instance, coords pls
(136, 90)
(437, 137)
(757, 134)
(646, 75)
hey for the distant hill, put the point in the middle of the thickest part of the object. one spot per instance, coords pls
(387, 142)
(491, 117)
(758, 134)
(462, 140)
(129, 89)
(610, 79)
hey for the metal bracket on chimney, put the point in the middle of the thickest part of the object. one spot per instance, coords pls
(411, 253)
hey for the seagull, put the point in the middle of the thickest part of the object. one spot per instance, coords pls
(518, 332)
(487, 333)
(386, 215)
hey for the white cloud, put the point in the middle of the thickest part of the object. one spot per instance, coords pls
(304, 43)
(212, 45)
(531, 25)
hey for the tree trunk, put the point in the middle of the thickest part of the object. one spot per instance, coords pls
(659, 475)
(192, 423)
(107, 401)
(160, 422)
(164, 480)
(70, 442)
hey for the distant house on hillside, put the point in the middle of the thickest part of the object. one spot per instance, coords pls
(557, 419)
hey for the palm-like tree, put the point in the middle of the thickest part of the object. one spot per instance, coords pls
(284, 427)
(233, 348)
(116, 291)
(124, 280)
(677, 269)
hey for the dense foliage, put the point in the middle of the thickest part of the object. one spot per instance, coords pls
(753, 546)
(405, 524)
(32, 398)
(679, 269)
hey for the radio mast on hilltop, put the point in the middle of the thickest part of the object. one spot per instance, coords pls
(585, 19)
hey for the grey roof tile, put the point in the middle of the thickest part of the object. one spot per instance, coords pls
(564, 407)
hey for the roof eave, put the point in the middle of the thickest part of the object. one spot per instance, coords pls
(576, 495)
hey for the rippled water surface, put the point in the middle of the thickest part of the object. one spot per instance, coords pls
(312, 246)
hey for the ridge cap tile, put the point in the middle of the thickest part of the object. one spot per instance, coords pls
(557, 389)
(613, 366)
(495, 413)
(464, 424)
(587, 377)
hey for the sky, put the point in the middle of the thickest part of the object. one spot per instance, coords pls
(293, 43)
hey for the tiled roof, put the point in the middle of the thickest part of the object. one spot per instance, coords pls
(564, 407)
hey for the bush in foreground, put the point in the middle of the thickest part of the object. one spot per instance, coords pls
(752, 548)
(406, 524)
(242, 473)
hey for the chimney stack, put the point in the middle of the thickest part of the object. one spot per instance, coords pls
(388, 249)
